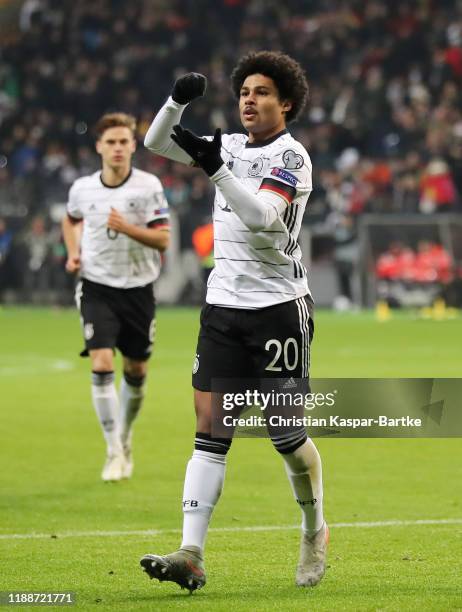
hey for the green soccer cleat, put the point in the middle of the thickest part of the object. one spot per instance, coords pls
(313, 553)
(185, 567)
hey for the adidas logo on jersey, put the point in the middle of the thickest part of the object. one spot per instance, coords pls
(289, 384)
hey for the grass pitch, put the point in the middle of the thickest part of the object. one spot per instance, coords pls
(62, 529)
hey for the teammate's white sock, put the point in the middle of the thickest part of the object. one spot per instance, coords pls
(131, 397)
(203, 484)
(304, 470)
(106, 404)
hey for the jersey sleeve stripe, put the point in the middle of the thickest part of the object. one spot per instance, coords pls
(287, 192)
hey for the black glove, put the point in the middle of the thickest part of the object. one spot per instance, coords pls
(206, 153)
(189, 87)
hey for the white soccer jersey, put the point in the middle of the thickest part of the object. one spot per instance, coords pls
(108, 257)
(259, 269)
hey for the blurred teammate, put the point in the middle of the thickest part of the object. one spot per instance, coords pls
(115, 229)
(257, 321)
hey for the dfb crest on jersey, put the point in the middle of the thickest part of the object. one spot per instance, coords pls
(256, 168)
(292, 160)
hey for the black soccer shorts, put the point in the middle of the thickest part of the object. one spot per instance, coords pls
(117, 318)
(272, 342)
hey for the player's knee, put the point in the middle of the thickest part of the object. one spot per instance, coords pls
(288, 442)
(102, 360)
(135, 369)
(207, 443)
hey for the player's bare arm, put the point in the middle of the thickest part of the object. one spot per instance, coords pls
(154, 237)
(72, 233)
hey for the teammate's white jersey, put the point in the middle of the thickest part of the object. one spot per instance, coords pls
(259, 269)
(108, 257)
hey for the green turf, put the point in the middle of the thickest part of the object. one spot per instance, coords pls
(52, 453)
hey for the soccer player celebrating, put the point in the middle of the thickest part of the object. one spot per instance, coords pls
(257, 320)
(115, 229)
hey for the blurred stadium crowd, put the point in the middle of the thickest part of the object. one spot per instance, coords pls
(383, 127)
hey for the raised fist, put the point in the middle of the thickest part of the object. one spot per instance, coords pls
(189, 87)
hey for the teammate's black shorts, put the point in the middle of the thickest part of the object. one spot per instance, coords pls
(272, 342)
(117, 318)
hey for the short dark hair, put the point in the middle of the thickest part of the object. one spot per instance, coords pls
(111, 120)
(287, 74)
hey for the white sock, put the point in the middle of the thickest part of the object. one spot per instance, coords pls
(304, 470)
(131, 398)
(106, 404)
(203, 484)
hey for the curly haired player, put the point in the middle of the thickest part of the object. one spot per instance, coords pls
(257, 320)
